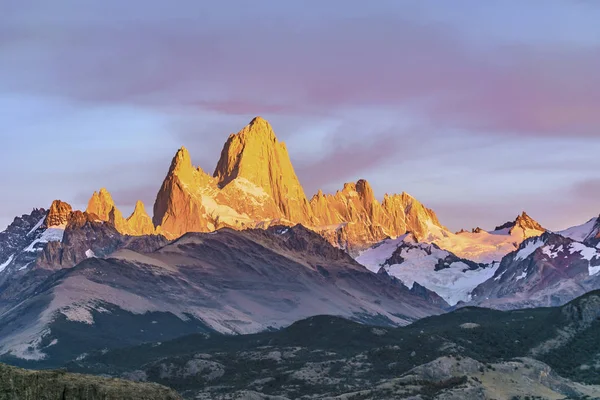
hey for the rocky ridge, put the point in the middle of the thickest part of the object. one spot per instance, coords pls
(102, 205)
(254, 185)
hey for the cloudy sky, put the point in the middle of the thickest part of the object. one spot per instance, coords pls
(480, 109)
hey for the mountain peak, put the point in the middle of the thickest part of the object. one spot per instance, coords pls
(139, 222)
(259, 126)
(524, 225)
(526, 222)
(255, 155)
(101, 204)
(181, 165)
(139, 208)
(364, 190)
(58, 215)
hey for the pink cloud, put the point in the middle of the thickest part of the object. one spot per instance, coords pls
(323, 67)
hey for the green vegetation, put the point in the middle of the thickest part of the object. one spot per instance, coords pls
(16, 383)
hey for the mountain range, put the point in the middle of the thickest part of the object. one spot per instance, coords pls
(244, 250)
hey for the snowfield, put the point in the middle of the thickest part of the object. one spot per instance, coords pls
(453, 284)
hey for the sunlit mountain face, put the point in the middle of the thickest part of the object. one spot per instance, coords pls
(143, 240)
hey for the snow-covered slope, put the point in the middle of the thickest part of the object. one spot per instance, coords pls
(588, 232)
(23, 240)
(486, 246)
(451, 264)
(549, 270)
(438, 270)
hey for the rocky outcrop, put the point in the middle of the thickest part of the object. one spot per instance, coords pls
(523, 226)
(87, 236)
(58, 215)
(16, 383)
(418, 218)
(139, 223)
(103, 206)
(353, 218)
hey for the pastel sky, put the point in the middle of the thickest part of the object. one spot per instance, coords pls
(480, 109)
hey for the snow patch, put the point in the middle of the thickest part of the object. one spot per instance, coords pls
(374, 257)
(35, 228)
(250, 188)
(500, 276)
(89, 253)
(529, 249)
(586, 252)
(522, 276)
(25, 266)
(6, 263)
(453, 284)
(554, 252)
(49, 235)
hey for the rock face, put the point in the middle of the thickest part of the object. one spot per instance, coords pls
(101, 204)
(16, 383)
(178, 207)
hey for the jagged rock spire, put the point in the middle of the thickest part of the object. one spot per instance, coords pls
(58, 215)
(139, 222)
(101, 204)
